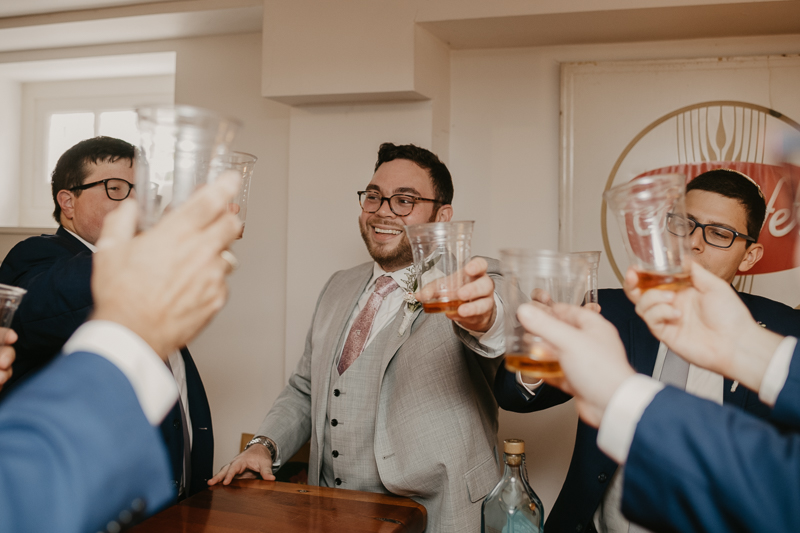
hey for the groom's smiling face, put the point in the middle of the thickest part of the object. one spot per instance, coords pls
(382, 231)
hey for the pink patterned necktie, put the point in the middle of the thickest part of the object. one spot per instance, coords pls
(360, 329)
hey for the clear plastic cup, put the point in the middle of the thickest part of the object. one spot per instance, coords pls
(651, 215)
(10, 297)
(243, 164)
(440, 250)
(543, 277)
(593, 258)
(180, 148)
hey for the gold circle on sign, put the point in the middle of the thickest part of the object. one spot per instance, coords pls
(651, 127)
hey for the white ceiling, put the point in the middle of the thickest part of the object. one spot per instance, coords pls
(16, 8)
(117, 66)
(118, 21)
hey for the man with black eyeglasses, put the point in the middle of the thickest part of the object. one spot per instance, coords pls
(394, 401)
(89, 181)
(725, 212)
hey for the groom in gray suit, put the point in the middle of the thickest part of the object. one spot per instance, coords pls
(394, 402)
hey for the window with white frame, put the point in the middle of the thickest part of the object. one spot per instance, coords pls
(58, 114)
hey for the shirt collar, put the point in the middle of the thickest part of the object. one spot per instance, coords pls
(399, 276)
(89, 245)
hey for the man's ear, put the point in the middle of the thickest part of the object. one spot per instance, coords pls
(753, 255)
(66, 201)
(445, 213)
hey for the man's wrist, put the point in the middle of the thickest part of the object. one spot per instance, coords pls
(131, 322)
(751, 356)
(267, 442)
(152, 382)
(622, 414)
(777, 372)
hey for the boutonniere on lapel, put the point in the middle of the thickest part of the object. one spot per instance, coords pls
(409, 287)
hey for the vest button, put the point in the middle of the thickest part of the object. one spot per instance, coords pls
(334, 422)
(336, 392)
(338, 481)
(335, 453)
(176, 424)
(602, 478)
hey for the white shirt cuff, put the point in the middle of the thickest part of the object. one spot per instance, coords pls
(494, 339)
(622, 414)
(777, 371)
(151, 379)
(530, 387)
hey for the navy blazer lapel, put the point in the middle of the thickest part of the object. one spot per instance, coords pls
(68, 241)
(643, 347)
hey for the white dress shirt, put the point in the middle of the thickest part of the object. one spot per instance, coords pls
(152, 382)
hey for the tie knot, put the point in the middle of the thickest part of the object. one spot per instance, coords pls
(384, 285)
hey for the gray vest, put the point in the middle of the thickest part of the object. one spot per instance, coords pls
(348, 443)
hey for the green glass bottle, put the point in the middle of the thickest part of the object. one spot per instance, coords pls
(512, 506)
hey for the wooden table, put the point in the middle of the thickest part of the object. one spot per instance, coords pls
(256, 505)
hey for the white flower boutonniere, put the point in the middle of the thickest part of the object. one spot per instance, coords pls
(410, 287)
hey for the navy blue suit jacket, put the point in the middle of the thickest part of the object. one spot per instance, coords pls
(718, 469)
(590, 469)
(56, 270)
(76, 450)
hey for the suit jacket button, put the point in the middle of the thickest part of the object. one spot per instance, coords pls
(602, 478)
(579, 528)
(334, 422)
(138, 505)
(338, 481)
(336, 392)
(335, 453)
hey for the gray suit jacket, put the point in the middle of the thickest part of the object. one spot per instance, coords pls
(436, 422)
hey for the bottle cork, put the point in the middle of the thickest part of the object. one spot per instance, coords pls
(514, 446)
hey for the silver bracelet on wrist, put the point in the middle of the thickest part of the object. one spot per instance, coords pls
(267, 443)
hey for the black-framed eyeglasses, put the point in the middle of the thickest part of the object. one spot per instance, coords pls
(117, 189)
(400, 204)
(716, 236)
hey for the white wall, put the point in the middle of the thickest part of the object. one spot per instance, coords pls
(240, 355)
(10, 92)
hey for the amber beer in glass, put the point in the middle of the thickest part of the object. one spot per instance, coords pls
(642, 207)
(440, 250)
(542, 277)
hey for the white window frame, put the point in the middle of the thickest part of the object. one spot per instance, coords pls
(40, 100)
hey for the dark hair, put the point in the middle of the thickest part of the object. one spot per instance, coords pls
(437, 171)
(734, 184)
(71, 168)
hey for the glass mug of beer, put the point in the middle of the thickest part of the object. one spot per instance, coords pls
(650, 212)
(440, 251)
(538, 276)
